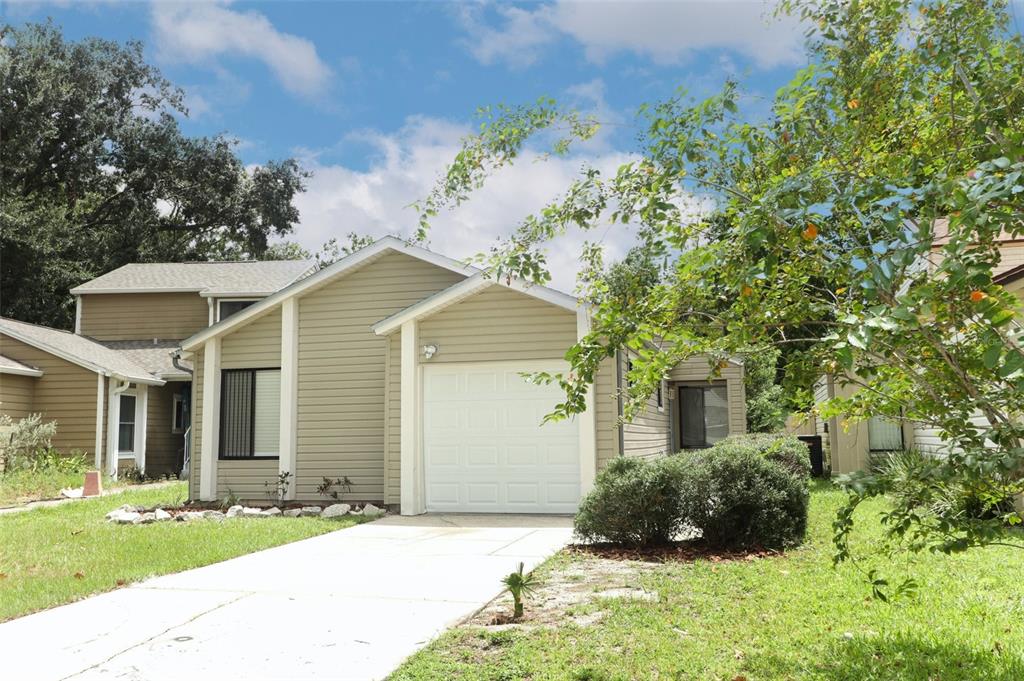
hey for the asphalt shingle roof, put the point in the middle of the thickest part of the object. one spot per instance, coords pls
(207, 278)
(78, 349)
(154, 357)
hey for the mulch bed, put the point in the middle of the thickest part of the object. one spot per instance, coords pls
(682, 552)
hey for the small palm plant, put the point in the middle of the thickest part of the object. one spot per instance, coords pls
(519, 585)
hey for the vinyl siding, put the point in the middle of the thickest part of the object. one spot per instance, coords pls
(695, 370)
(1011, 255)
(823, 427)
(17, 394)
(606, 405)
(65, 393)
(197, 424)
(497, 324)
(162, 446)
(649, 433)
(342, 411)
(256, 345)
(140, 316)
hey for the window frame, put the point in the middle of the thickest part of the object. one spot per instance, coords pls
(176, 399)
(252, 421)
(220, 317)
(132, 393)
(703, 387)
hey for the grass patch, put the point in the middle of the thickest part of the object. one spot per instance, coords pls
(51, 556)
(783, 617)
(19, 487)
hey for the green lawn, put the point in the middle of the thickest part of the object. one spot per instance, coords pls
(50, 556)
(23, 486)
(786, 617)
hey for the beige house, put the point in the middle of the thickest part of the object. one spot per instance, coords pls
(402, 370)
(112, 385)
(852, 445)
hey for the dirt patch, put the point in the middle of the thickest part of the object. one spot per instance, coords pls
(570, 593)
(576, 591)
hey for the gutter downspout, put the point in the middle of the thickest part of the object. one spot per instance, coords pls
(175, 359)
(618, 398)
(118, 385)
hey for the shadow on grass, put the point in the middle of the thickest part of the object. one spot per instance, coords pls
(903, 657)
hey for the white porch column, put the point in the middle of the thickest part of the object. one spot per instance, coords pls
(587, 420)
(113, 420)
(78, 314)
(289, 390)
(412, 499)
(141, 411)
(98, 455)
(210, 305)
(211, 421)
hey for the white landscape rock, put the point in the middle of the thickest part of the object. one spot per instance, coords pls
(145, 519)
(252, 512)
(271, 512)
(212, 515)
(123, 517)
(72, 492)
(335, 510)
(161, 515)
(308, 511)
(371, 511)
(235, 511)
(292, 513)
(190, 515)
(125, 508)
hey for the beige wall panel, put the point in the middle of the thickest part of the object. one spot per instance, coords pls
(141, 316)
(341, 411)
(17, 394)
(65, 393)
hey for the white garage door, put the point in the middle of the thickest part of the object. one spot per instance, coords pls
(484, 447)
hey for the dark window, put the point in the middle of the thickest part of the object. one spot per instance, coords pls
(126, 424)
(660, 397)
(230, 307)
(179, 413)
(250, 401)
(703, 415)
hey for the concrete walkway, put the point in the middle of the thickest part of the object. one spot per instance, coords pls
(351, 604)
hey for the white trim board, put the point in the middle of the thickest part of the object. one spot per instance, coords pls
(464, 289)
(18, 371)
(348, 263)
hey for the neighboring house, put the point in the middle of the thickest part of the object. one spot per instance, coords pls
(112, 386)
(853, 444)
(401, 369)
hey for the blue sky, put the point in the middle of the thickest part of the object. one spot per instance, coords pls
(373, 97)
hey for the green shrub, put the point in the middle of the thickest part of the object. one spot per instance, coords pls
(634, 503)
(786, 450)
(25, 442)
(739, 496)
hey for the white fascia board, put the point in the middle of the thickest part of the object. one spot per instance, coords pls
(234, 295)
(148, 379)
(346, 264)
(18, 371)
(79, 291)
(464, 289)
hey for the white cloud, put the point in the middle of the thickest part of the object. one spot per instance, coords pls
(197, 32)
(376, 200)
(666, 32)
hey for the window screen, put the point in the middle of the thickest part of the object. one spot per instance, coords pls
(703, 415)
(250, 408)
(126, 424)
(884, 435)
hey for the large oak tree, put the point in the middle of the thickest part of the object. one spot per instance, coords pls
(95, 172)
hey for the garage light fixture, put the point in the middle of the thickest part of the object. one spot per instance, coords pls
(429, 351)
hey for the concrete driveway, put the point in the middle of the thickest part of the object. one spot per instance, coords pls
(350, 604)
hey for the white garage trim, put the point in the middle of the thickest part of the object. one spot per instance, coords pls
(484, 449)
(412, 501)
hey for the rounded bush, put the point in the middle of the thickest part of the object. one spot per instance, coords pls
(738, 497)
(634, 503)
(787, 450)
